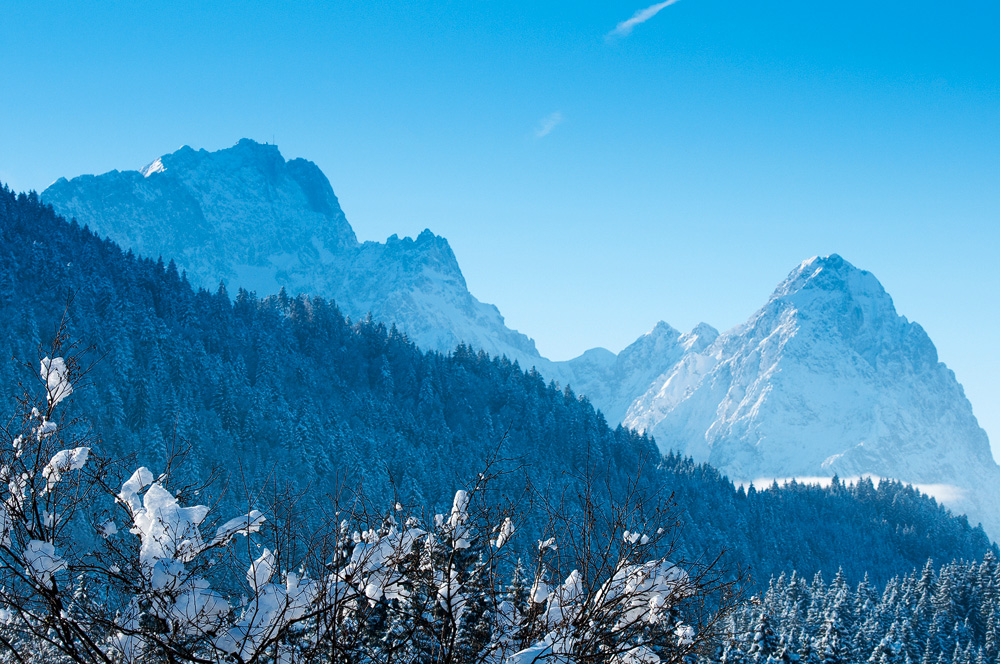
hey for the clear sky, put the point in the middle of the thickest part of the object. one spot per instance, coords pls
(596, 167)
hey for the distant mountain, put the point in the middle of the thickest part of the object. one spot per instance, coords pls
(612, 382)
(246, 216)
(825, 379)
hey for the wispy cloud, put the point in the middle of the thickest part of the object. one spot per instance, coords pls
(625, 28)
(948, 494)
(548, 123)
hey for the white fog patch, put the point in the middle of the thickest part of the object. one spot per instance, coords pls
(946, 494)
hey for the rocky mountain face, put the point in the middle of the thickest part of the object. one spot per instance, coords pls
(248, 217)
(825, 379)
(614, 381)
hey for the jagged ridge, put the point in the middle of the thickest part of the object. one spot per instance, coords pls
(825, 379)
(247, 217)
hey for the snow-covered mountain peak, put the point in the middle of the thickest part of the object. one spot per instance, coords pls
(662, 340)
(612, 382)
(152, 168)
(830, 280)
(223, 215)
(251, 164)
(246, 153)
(660, 330)
(825, 378)
(248, 217)
(827, 305)
(698, 339)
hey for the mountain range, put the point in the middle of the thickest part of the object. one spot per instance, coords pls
(247, 217)
(247, 399)
(826, 378)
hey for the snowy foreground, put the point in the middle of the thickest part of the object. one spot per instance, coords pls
(99, 569)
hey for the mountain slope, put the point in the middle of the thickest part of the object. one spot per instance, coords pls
(220, 215)
(825, 379)
(612, 382)
(246, 216)
(286, 388)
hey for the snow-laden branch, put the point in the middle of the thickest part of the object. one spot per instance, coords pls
(55, 376)
(63, 462)
(158, 579)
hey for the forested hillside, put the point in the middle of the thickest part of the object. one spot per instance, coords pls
(287, 389)
(951, 614)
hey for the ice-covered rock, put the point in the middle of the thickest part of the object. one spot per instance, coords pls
(825, 379)
(246, 216)
(613, 382)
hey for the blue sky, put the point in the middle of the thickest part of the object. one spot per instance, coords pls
(590, 181)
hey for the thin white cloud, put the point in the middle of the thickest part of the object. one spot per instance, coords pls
(625, 28)
(548, 123)
(943, 493)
